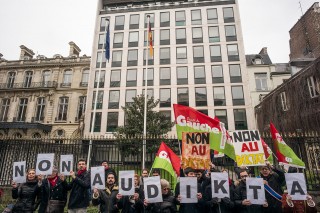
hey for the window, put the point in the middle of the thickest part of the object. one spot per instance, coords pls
(180, 18)
(84, 78)
(165, 76)
(195, 17)
(27, 79)
(219, 96)
(5, 104)
(313, 86)
(97, 122)
(101, 60)
(130, 94)
(62, 109)
(151, 20)
(132, 58)
(165, 37)
(215, 53)
(67, 78)
(165, 19)
(103, 24)
(116, 58)
(199, 75)
(115, 78)
(119, 23)
(118, 40)
(150, 77)
(41, 104)
(183, 96)
(182, 75)
(150, 57)
(134, 21)
(235, 73)
(114, 96)
(112, 121)
(133, 39)
(165, 97)
(81, 107)
(198, 55)
(201, 96)
(181, 55)
(99, 101)
(261, 81)
(231, 34)
(10, 80)
(221, 114)
(237, 95)
(166, 114)
(164, 55)
(149, 93)
(146, 37)
(181, 36)
(214, 35)
(217, 74)
(102, 41)
(240, 119)
(203, 111)
(46, 77)
(131, 78)
(228, 15)
(99, 81)
(233, 54)
(212, 16)
(197, 35)
(284, 101)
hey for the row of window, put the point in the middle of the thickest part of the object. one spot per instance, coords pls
(180, 19)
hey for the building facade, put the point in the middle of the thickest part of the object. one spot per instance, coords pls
(198, 61)
(42, 96)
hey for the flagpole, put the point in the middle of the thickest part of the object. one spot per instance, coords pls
(95, 103)
(144, 146)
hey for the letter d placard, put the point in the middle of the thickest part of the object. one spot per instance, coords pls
(152, 189)
(44, 164)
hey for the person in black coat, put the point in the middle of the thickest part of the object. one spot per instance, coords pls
(53, 188)
(27, 194)
(108, 169)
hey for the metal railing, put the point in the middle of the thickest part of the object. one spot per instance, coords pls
(33, 85)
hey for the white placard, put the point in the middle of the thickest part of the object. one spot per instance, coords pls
(296, 185)
(19, 172)
(220, 185)
(126, 182)
(66, 164)
(44, 164)
(188, 189)
(152, 189)
(255, 191)
(98, 179)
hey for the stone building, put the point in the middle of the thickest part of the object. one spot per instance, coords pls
(43, 96)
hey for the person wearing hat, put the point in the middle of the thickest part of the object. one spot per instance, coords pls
(54, 192)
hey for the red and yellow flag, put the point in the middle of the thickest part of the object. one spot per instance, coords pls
(150, 39)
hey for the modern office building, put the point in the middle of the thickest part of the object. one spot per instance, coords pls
(198, 60)
(42, 97)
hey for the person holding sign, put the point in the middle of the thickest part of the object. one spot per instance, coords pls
(27, 194)
(107, 199)
(54, 192)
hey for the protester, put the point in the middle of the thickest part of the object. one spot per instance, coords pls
(297, 206)
(54, 192)
(144, 174)
(169, 202)
(155, 172)
(107, 199)
(107, 169)
(79, 196)
(189, 207)
(27, 194)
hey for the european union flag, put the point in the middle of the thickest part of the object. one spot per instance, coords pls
(108, 43)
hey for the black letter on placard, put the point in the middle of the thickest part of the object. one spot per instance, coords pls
(149, 192)
(188, 191)
(218, 186)
(123, 185)
(97, 179)
(18, 170)
(66, 167)
(47, 163)
(296, 188)
(255, 191)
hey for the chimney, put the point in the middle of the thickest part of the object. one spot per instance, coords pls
(26, 53)
(264, 51)
(74, 49)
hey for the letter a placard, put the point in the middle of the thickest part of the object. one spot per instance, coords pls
(188, 189)
(44, 164)
(220, 185)
(152, 189)
(19, 172)
(255, 191)
(296, 185)
(98, 177)
(66, 164)
(126, 182)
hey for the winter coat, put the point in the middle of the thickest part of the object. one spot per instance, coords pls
(189, 207)
(167, 206)
(107, 200)
(225, 206)
(28, 197)
(79, 195)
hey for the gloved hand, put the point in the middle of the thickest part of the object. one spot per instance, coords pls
(214, 201)
(226, 200)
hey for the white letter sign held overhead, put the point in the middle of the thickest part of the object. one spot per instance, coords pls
(66, 164)
(255, 191)
(98, 179)
(152, 189)
(220, 185)
(296, 185)
(44, 164)
(188, 189)
(19, 172)
(126, 182)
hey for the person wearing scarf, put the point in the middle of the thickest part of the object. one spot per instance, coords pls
(54, 191)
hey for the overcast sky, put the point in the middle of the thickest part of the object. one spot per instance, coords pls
(46, 27)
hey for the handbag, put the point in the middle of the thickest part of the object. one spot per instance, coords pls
(55, 206)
